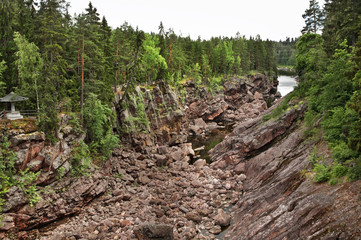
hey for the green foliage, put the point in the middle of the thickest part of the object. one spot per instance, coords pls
(2, 83)
(81, 160)
(152, 61)
(338, 170)
(139, 122)
(314, 157)
(341, 152)
(354, 173)
(337, 123)
(195, 74)
(98, 122)
(49, 122)
(336, 84)
(314, 18)
(7, 170)
(286, 53)
(311, 59)
(29, 64)
(342, 22)
(27, 182)
(215, 84)
(331, 86)
(142, 117)
(74, 121)
(322, 173)
(280, 109)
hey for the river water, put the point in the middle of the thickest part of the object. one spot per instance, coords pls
(286, 84)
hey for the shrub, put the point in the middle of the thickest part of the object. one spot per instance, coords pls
(354, 173)
(81, 159)
(342, 153)
(27, 182)
(322, 173)
(338, 170)
(98, 120)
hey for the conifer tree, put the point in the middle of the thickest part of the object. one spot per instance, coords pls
(314, 18)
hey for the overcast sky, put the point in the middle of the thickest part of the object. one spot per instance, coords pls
(272, 19)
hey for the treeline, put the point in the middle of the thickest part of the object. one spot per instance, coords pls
(45, 54)
(286, 52)
(330, 69)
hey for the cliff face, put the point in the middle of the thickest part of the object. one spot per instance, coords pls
(169, 115)
(279, 200)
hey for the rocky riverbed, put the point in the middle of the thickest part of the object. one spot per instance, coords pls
(258, 185)
(188, 199)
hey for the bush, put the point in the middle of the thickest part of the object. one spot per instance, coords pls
(354, 173)
(338, 170)
(342, 153)
(215, 84)
(25, 180)
(322, 173)
(98, 120)
(81, 159)
(49, 122)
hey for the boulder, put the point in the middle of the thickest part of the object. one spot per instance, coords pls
(26, 137)
(200, 163)
(199, 122)
(161, 160)
(154, 231)
(222, 218)
(177, 155)
(240, 168)
(193, 216)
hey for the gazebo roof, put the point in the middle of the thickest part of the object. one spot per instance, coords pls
(13, 97)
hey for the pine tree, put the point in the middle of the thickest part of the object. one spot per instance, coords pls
(342, 21)
(314, 18)
(53, 36)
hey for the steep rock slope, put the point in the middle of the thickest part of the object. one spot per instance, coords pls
(279, 200)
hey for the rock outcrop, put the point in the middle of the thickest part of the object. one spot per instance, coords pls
(63, 199)
(279, 200)
(169, 121)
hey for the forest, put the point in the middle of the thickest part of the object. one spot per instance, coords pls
(329, 66)
(67, 64)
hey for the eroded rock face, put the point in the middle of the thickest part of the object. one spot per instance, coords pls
(279, 201)
(251, 137)
(64, 199)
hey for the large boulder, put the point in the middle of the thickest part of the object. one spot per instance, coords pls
(154, 231)
(222, 218)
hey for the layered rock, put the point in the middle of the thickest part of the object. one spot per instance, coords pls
(169, 121)
(59, 200)
(251, 137)
(279, 201)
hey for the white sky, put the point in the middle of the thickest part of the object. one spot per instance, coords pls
(272, 19)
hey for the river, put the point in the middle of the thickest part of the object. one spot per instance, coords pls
(286, 84)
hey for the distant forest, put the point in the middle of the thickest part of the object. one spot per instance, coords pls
(42, 48)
